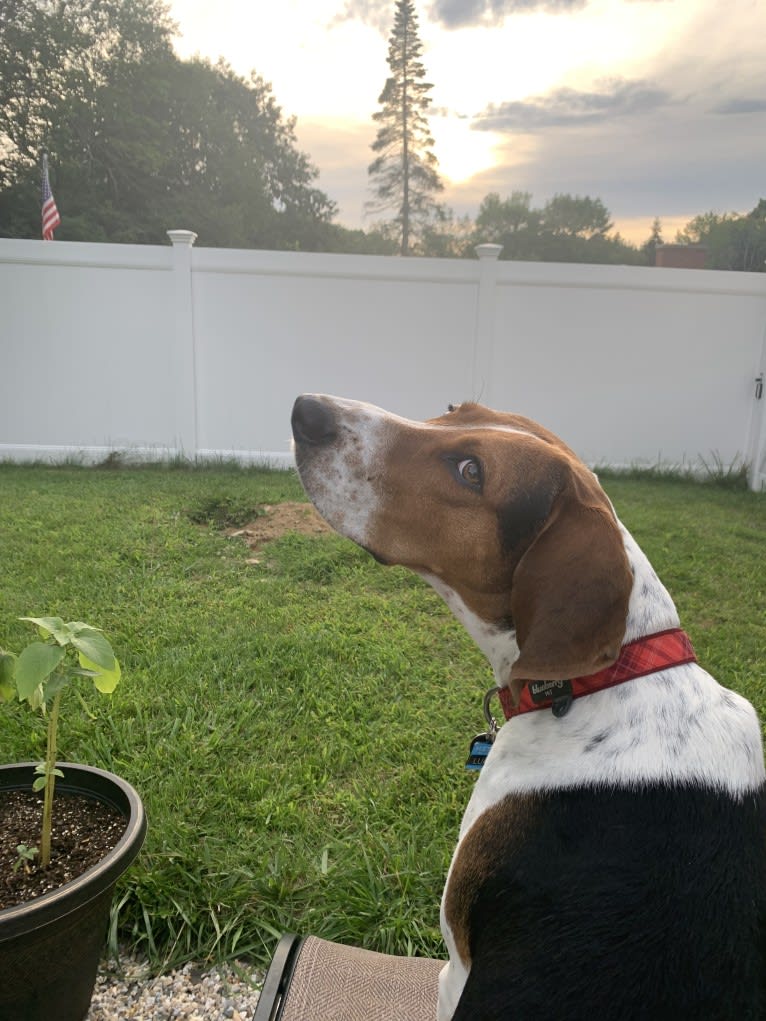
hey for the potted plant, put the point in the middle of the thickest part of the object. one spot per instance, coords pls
(56, 895)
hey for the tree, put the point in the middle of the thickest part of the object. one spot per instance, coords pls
(56, 54)
(404, 170)
(575, 216)
(649, 247)
(512, 223)
(139, 140)
(568, 228)
(733, 241)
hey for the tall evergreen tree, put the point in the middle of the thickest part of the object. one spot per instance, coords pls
(404, 174)
(650, 246)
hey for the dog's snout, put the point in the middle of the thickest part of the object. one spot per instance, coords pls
(313, 421)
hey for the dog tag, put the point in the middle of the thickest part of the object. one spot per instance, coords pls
(480, 749)
(482, 743)
(559, 693)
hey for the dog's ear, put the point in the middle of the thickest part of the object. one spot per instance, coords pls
(569, 599)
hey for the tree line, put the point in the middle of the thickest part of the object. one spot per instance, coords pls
(140, 139)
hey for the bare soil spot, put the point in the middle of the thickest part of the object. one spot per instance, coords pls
(278, 520)
(83, 832)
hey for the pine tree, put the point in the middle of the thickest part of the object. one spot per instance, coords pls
(649, 247)
(404, 172)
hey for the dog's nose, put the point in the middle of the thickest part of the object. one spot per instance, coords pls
(312, 421)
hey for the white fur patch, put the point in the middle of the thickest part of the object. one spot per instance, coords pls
(498, 646)
(340, 476)
(452, 978)
(674, 727)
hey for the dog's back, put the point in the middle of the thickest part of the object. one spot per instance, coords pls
(617, 904)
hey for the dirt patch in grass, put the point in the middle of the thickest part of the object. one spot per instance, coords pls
(275, 521)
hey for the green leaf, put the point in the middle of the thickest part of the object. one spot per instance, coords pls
(105, 680)
(52, 626)
(33, 667)
(92, 645)
(39, 783)
(55, 685)
(76, 626)
(37, 698)
(7, 665)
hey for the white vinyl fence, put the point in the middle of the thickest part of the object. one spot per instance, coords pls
(167, 349)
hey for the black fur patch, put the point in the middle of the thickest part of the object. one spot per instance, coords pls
(643, 905)
(523, 516)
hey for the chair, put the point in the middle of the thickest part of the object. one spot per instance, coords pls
(312, 979)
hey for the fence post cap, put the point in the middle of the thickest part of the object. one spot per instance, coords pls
(488, 251)
(182, 237)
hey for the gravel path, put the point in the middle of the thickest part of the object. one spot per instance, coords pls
(128, 991)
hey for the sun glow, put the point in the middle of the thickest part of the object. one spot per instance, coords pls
(461, 152)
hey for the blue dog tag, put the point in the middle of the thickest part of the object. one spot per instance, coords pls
(480, 749)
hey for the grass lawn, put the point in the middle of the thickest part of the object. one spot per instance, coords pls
(298, 727)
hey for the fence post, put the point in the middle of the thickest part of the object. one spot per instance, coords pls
(184, 353)
(485, 322)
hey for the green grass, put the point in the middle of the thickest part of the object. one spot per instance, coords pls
(297, 728)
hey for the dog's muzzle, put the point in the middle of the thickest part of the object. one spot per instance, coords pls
(313, 422)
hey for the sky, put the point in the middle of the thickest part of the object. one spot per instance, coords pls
(656, 107)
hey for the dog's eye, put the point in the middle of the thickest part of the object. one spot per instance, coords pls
(469, 471)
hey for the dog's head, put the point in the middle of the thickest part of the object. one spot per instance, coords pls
(492, 508)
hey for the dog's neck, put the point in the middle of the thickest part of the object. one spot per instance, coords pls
(650, 610)
(497, 644)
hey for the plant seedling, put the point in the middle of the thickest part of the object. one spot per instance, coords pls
(40, 674)
(25, 855)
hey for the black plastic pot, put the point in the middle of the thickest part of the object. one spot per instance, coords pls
(50, 946)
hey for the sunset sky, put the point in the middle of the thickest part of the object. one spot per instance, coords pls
(657, 107)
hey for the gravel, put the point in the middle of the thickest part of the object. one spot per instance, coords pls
(127, 990)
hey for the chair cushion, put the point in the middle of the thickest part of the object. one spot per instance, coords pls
(333, 982)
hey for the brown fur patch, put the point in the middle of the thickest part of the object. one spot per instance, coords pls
(490, 840)
(571, 589)
(536, 543)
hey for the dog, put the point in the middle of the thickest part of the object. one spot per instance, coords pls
(611, 862)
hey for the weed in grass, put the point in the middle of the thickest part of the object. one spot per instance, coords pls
(224, 511)
(712, 471)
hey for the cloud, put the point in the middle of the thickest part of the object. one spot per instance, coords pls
(462, 13)
(456, 13)
(564, 107)
(459, 13)
(376, 13)
(742, 105)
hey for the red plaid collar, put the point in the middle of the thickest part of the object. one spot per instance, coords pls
(644, 656)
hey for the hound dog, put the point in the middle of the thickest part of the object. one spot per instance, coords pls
(611, 863)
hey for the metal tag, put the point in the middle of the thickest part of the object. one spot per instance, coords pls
(559, 693)
(480, 749)
(482, 743)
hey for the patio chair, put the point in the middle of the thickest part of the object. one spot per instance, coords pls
(312, 979)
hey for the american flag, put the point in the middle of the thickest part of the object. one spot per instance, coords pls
(50, 213)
